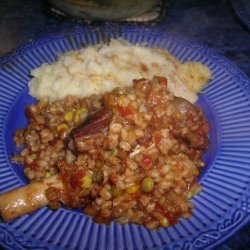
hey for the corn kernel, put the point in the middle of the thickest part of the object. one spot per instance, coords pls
(98, 164)
(201, 164)
(86, 181)
(132, 189)
(76, 118)
(42, 103)
(189, 195)
(47, 174)
(178, 116)
(62, 126)
(116, 192)
(78, 114)
(90, 211)
(81, 111)
(69, 116)
(195, 171)
(164, 222)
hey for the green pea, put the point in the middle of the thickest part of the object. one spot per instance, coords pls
(116, 191)
(147, 184)
(98, 177)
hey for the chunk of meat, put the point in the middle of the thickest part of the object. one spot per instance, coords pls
(190, 125)
(182, 106)
(89, 129)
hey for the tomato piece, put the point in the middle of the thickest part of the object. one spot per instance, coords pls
(89, 210)
(145, 140)
(142, 84)
(131, 197)
(113, 178)
(172, 218)
(147, 159)
(76, 179)
(31, 165)
(125, 111)
(158, 137)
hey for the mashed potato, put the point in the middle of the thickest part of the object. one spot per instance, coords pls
(103, 67)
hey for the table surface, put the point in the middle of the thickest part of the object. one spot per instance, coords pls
(210, 22)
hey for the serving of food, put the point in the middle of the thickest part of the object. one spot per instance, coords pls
(128, 152)
(108, 145)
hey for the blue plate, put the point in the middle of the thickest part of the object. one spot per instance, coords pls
(242, 10)
(220, 209)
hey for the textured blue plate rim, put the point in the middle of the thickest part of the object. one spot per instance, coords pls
(23, 49)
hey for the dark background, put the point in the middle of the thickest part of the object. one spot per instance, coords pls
(210, 22)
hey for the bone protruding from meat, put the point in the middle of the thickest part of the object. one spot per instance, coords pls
(26, 199)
